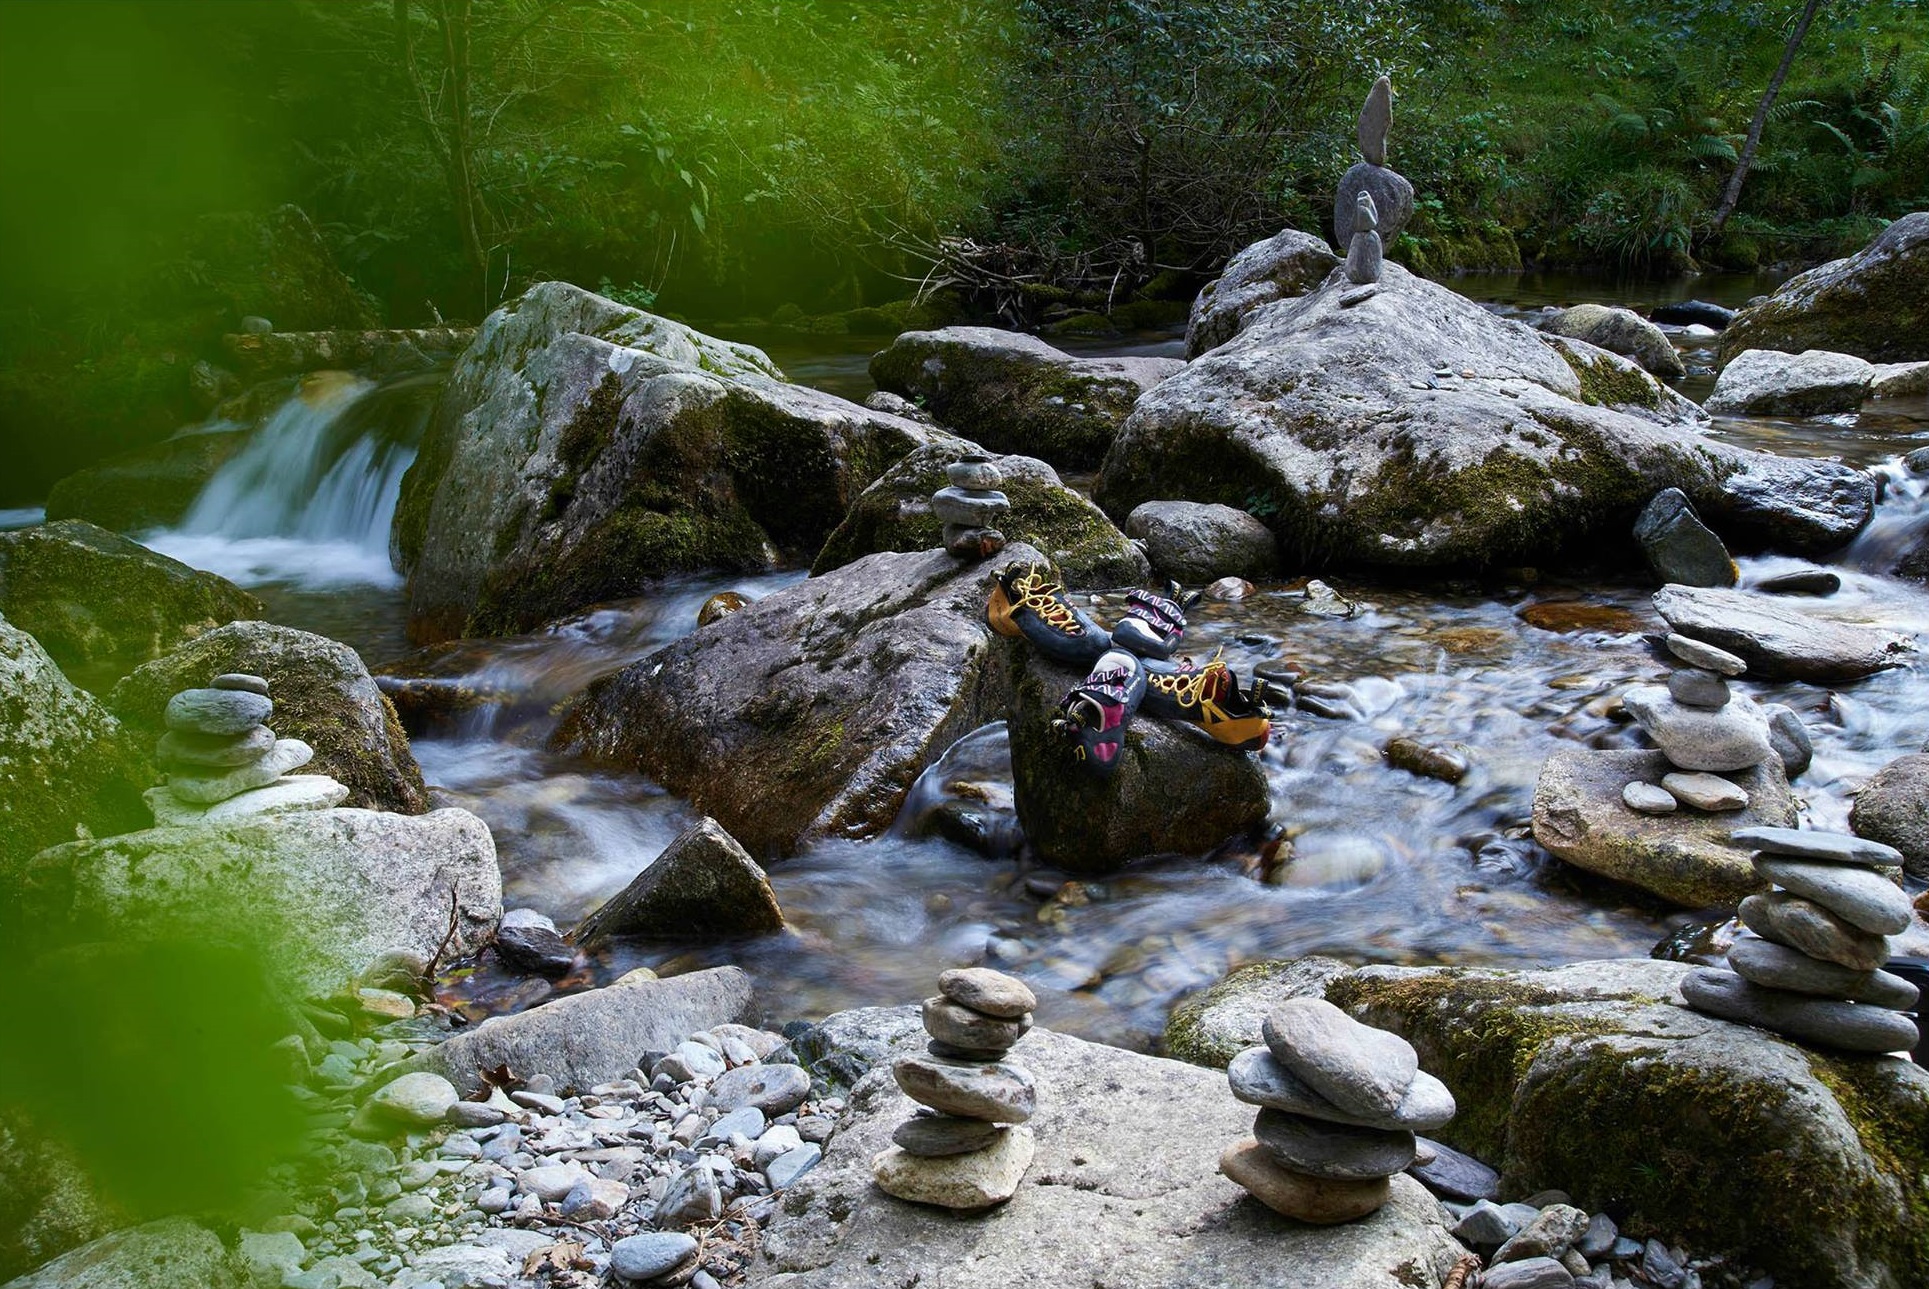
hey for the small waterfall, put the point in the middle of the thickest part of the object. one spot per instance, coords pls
(312, 496)
(1900, 523)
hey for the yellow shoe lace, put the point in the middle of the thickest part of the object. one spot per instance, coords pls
(1040, 594)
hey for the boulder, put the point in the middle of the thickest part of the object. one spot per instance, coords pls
(1286, 265)
(1803, 512)
(811, 712)
(167, 1254)
(1122, 1192)
(703, 884)
(1619, 331)
(1665, 1090)
(323, 894)
(65, 761)
(1899, 380)
(581, 448)
(1679, 547)
(894, 514)
(585, 1039)
(323, 696)
(1874, 304)
(1684, 857)
(1198, 544)
(51, 1205)
(1015, 393)
(1778, 641)
(1350, 429)
(150, 487)
(1175, 791)
(1218, 1023)
(1893, 808)
(1763, 382)
(100, 604)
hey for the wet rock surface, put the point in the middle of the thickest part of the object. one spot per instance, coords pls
(1780, 641)
(702, 884)
(1873, 304)
(1282, 267)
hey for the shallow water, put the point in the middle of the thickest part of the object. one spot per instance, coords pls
(1379, 866)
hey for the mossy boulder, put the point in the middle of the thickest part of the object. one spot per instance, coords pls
(811, 712)
(101, 604)
(150, 487)
(1015, 393)
(1403, 426)
(47, 1203)
(323, 696)
(167, 1254)
(1874, 304)
(1175, 791)
(276, 266)
(894, 514)
(1596, 1079)
(1282, 267)
(582, 448)
(1218, 1023)
(1619, 331)
(65, 761)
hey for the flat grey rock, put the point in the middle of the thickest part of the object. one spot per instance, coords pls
(287, 755)
(217, 711)
(1734, 737)
(1679, 547)
(1764, 382)
(992, 992)
(1648, 799)
(1694, 687)
(1859, 896)
(1708, 792)
(1775, 966)
(1530, 1273)
(1332, 1151)
(1778, 641)
(995, 1092)
(220, 751)
(1257, 1079)
(773, 1089)
(1850, 1027)
(1703, 655)
(936, 1135)
(1805, 925)
(1484, 1224)
(1456, 1174)
(961, 1027)
(1362, 1070)
(1823, 847)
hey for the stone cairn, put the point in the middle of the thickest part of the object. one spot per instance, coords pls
(224, 763)
(972, 507)
(1365, 253)
(969, 1148)
(1703, 728)
(1339, 1105)
(1812, 969)
(1391, 193)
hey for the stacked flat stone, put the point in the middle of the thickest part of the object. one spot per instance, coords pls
(968, 1148)
(1703, 727)
(224, 763)
(1813, 967)
(972, 507)
(1339, 1105)
(1392, 194)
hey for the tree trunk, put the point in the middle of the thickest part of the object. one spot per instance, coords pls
(452, 17)
(1731, 196)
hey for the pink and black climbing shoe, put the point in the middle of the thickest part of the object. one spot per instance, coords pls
(1097, 710)
(1153, 624)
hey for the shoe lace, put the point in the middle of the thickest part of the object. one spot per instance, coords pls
(1040, 594)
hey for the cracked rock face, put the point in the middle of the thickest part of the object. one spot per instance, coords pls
(1122, 1191)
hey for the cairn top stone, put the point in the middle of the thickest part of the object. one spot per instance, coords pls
(992, 992)
(1705, 656)
(1376, 121)
(1810, 843)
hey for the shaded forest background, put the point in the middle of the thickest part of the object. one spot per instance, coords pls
(791, 161)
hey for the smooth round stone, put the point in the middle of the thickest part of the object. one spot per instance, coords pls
(773, 1089)
(1793, 921)
(933, 1136)
(1332, 1151)
(219, 751)
(996, 1092)
(240, 680)
(1697, 688)
(654, 1253)
(967, 1055)
(204, 790)
(1803, 581)
(1708, 792)
(217, 711)
(1317, 1200)
(960, 1026)
(290, 794)
(1850, 1027)
(974, 1181)
(1693, 738)
(974, 474)
(992, 992)
(1858, 896)
(1705, 656)
(1790, 739)
(1257, 1079)
(1823, 847)
(1648, 799)
(971, 509)
(1775, 966)
(416, 1098)
(1362, 1070)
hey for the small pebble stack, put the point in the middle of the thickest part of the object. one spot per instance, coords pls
(224, 763)
(969, 1148)
(1812, 970)
(1703, 728)
(1339, 1104)
(971, 508)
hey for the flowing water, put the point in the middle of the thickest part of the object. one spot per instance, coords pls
(1364, 862)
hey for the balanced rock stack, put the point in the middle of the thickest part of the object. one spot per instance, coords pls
(972, 507)
(224, 763)
(1704, 729)
(1813, 967)
(969, 1148)
(1340, 1103)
